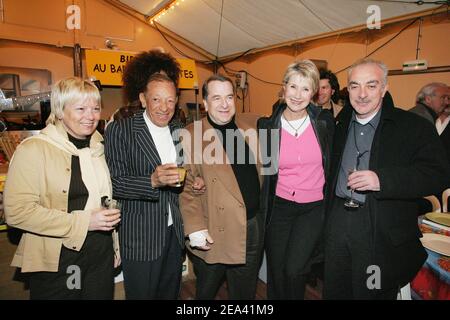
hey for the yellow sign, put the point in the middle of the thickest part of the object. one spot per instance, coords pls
(188, 76)
(107, 66)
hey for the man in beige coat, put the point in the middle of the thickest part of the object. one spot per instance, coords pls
(225, 224)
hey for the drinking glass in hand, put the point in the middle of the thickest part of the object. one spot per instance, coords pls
(111, 204)
(182, 174)
(351, 203)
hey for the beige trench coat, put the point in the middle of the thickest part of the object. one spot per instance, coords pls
(221, 209)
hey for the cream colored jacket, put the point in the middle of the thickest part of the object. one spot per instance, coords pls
(36, 198)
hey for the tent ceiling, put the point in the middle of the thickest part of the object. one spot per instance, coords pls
(248, 24)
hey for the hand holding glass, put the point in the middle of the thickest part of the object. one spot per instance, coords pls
(351, 203)
(111, 204)
(182, 174)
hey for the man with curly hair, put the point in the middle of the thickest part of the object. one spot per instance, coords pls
(141, 152)
(141, 67)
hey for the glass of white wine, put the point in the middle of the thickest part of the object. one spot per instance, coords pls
(351, 203)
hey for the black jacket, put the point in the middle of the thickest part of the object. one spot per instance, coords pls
(407, 156)
(323, 124)
(445, 138)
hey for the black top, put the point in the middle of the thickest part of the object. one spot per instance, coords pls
(244, 169)
(78, 193)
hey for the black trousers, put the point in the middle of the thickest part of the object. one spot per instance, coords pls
(241, 279)
(87, 274)
(159, 279)
(348, 252)
(291, 237)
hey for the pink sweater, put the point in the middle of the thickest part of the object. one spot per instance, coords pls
(300, 174)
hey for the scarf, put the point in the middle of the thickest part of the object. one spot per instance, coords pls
(94, 170)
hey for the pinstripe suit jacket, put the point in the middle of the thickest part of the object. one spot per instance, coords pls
(132, 157)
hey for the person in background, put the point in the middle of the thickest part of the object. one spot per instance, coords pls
(126, 112)
(431, 101)
(55, 198)
(293, 197)
(328, 94)
(225, 226)
(279, 101)
(383, 159)
(179, 116)
(443, 127)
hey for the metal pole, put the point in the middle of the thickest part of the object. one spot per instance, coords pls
(197, 107)
(77, 64)
(419, 35)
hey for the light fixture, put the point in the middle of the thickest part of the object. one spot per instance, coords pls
(162, 10)
(110, 44)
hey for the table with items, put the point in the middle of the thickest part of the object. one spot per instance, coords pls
(432, 282)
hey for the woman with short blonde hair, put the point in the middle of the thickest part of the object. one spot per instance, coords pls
(68, 91)
(53, 192)
(293, 197)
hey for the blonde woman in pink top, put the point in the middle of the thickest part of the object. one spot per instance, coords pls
(293, 197)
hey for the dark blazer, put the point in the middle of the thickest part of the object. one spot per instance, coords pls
(132, 157)
(323, 124)
(424, 111)
(407, 156)
(445, 138)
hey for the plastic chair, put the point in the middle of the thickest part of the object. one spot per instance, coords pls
(404, 293)
(445, 196)
(434, 203)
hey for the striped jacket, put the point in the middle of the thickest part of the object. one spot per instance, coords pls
(132, 157)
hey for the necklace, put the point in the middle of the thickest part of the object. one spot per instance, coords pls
(296, 129)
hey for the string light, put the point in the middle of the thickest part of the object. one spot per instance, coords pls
(169, 8)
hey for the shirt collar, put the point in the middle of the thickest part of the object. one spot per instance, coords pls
(373, 120)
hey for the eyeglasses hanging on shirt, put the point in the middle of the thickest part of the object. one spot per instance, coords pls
(359, 154)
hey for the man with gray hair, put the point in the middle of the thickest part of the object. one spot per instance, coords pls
(431, 100)
(383, 159)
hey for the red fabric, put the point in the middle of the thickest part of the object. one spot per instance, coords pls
(428, 286)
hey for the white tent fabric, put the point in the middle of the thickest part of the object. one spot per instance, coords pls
(248, 24)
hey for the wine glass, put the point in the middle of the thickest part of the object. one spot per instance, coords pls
(351, 203)
(111, 203)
